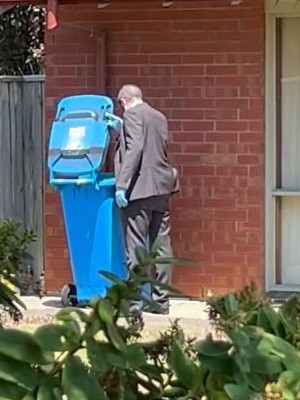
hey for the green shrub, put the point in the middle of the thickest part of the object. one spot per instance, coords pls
(14, 242)
(14, 259)
(102, 355)
(261, 347)
(96, 355)
(250, 307)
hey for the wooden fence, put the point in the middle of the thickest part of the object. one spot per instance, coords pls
(21, 156)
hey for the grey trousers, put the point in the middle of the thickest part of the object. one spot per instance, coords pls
(145, 221)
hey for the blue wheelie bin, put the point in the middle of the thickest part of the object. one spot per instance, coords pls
(78, 147)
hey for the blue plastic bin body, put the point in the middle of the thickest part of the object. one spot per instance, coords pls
(77, 149)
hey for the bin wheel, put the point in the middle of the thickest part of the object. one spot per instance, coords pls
(68, 296)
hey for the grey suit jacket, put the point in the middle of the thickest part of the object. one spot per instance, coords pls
(142, 167)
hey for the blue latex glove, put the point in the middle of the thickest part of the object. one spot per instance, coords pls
(121, 200)
(114, 122)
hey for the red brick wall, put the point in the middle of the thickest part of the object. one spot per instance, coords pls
(202, 64)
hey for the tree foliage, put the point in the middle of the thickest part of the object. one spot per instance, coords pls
(22, 31)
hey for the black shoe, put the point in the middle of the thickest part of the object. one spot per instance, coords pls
(135, 310)
(160, 310)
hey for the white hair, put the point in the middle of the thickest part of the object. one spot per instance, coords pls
(129, 92)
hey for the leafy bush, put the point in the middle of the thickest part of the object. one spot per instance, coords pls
(251, 308)
(14, 244)
(102, 355)
(9, 304)
(261, 350)
(14, 258)
(22, 31)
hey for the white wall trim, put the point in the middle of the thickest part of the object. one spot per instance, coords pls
(273, 9)
(282, 8)
(270, 104)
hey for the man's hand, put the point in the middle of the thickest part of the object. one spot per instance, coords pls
(114, 122)
(121, 200)
(116, 125)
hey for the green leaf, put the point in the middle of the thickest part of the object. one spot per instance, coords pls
(65, 315)
(187, 372)
(131, 396)
(10, 300)
(78, 384)
(156, 247)
(269, 320)
(267, 365)
(149, 304)
(239, 338)
(237, 392)
(113, 278)
(46, 392)
(220, 365)
(141, 255)
(254, 332)
(11, 391)
(114, 337)
(97, 355)
(215, 382)
(287, 394)
(106, 311)
(135, 356)
(242, 362)
(263, 321)
(29, 396)
(162, 286)
(175, 393)
(152, 371)
(230, 303)
(289, 309)
(274, 319)
(210, 347)
(116, 293)
(218, 396)
(18, 372)
(10, 296)
(22, 346)
(104, 355)
(57, 337)
(256, 382)
(286, 352)
(95, 325)
(173, 260)
(289, 378)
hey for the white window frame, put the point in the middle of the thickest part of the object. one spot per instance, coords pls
(273, 10)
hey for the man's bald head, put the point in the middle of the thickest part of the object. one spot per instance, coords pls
(129, 95)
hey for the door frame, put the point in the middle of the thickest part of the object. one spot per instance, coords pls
(273, 11)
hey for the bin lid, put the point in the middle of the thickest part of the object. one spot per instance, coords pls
(98, 104)
(79, 136)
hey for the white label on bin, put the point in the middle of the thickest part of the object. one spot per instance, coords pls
(76, 134)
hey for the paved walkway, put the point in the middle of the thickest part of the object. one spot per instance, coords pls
(192, 314)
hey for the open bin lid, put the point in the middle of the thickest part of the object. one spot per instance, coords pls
(96, 103)
(79, 137)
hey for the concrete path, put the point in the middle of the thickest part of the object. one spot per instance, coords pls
(192, 314)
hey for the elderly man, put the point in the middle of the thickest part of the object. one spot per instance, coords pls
(145, 180)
